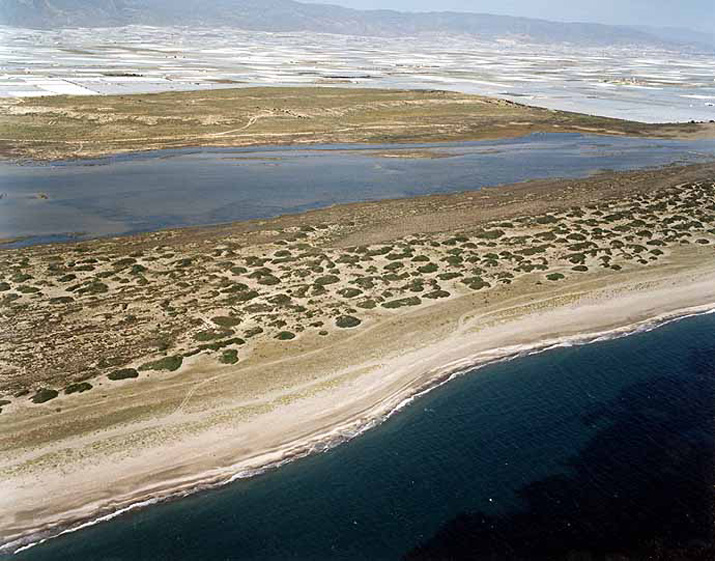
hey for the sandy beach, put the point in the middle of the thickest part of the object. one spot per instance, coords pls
(138, 369)
(218, 432)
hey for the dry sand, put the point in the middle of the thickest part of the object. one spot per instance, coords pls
(210, 429)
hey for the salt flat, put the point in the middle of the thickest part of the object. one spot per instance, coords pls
(633, 83)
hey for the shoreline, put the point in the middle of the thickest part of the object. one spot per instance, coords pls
(335, 435)
(182, 360)
(47, 128)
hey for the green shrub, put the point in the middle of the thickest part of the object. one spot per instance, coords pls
(78, 388)
(367, 304)
(269, 280)
(218, 345)
(229, 357)
(253, 332)
(28, 289)
(212, 334)
(347, 322)
(555, 276)
(123, 374)
(410, 301)
(327, 279)
(226, 321)
(285, 336)
(124, 263)
(429, 268)
(94, 288)
(62, 300)
(350, 292)
(4, 287)
(43, 395)
(169, 363)
(436, 294)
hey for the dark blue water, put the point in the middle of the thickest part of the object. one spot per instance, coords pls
(604, 448)
(128, 194)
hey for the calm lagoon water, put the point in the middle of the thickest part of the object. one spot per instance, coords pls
(144, 192)
(606, 446)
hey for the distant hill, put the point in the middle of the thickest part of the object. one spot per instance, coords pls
(288, 15)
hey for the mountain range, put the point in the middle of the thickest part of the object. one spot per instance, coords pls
(289, 15)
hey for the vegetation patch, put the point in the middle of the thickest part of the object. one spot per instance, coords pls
(229, 357)
(212, 334)
(327, 279)
(347, 322)
(169, 363)
(350, 292)
(78, 388)
(43, 395)
(123, 374)
(285, 336)
(226, 321)
(402, 302)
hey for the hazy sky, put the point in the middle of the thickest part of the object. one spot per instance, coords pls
(697, 14)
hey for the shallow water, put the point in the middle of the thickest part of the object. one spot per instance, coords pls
(145, 192)
(610, 445)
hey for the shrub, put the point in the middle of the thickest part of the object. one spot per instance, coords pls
(429, 268)
(170, 363)
(78, 388)
(28, 289)
(43, 395)
(253, 332)
(62, 300)
(350, 292)
(94, 288)
(226, 321)
(367, 304)
(347, 322)
(328, 279)
(124, 263)
(436, 294)
(229, 357)
(4, 287)
(285, 336)
(269, 280)
(411, 301)
(211, 334)
(555, 276)
(123, 374)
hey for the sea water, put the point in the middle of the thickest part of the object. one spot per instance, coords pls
(609, 445)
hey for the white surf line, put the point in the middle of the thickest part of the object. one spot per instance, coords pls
(460, 368)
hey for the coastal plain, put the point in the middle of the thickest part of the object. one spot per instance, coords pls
(136, 368)
(72, 127)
